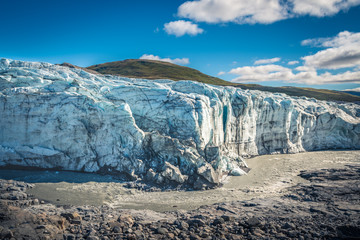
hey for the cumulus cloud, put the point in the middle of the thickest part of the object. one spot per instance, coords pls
(342, 51)
(353, 90)
(261, 73)
(267, 61)
(321, 8)
(259, 11)
(239, 11)
(181, 61)
(293, 62)
(181, 27)
(221, 73)
(304, 74)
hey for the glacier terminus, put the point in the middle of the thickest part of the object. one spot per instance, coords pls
(162, 131)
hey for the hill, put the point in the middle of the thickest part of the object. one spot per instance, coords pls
(150, 69)
(320, 94)
(356, 93)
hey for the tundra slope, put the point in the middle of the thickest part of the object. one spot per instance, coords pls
(183, 133)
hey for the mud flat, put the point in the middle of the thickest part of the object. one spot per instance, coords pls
(301, 196)
(270, 175)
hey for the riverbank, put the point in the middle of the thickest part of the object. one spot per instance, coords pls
(301, 196)
(270, 176)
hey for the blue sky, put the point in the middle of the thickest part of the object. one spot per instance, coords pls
(236, 40)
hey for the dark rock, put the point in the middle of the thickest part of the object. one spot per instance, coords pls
(196, 222)
(250, 205)
(182, 224)
(76, 221)
(218, 221)
(116, 229)
(161, 230)
(253, 222)
(41, 227)
(227, 218)
(6, 234)
(71, 216)
(225, 209)
(348, 231)
(292, 234)
(288, 226)
(69, 237)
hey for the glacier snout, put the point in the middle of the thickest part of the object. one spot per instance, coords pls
(163, 131)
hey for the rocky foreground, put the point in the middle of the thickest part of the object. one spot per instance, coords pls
(327, 206)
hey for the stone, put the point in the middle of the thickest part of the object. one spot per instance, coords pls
(139, 234)
(76, 221)
(227, 218)
(218, 221)
(348, 231)
(253, 222)
(126, 220)
(196, 222)
(41, 227)
(161, 230)
(288, 225)
(117, 229)
(173, 173)
(92, 238)
(69, 237)
(6, 234)
(71, 216)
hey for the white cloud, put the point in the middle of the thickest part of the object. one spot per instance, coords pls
(293, 62)
(181, 27)
(342, 39)
(261, 73)
(221, 73)
(239, 11)
(353, 90)
(321, 8)
(267, 61)
(259, 11)
(181, 61)
(306, 75)
(343, 51)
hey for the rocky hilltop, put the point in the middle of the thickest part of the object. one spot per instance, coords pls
(182, 133)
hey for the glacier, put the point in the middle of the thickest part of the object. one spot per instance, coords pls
(168, 132)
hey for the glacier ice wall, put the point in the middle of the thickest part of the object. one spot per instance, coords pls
(163, 131)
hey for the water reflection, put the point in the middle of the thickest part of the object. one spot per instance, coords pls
(44, 176)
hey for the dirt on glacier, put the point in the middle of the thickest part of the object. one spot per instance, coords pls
(312, 195)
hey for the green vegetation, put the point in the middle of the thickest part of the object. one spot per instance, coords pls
(321, 94)
(150, 69)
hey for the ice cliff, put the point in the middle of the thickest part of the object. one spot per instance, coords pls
(163, 131)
